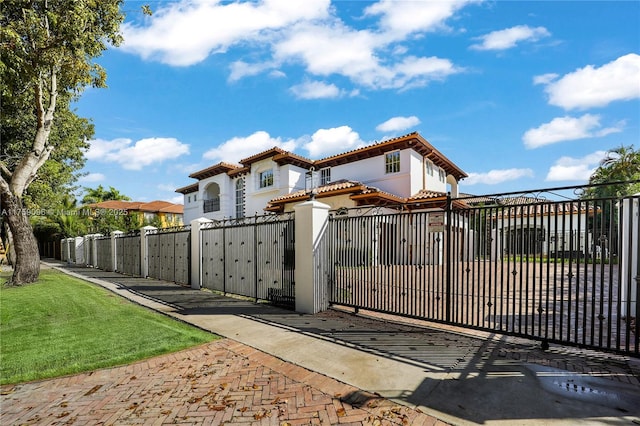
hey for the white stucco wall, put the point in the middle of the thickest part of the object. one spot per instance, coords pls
(191, 207)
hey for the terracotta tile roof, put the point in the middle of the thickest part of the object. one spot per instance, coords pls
(376, 196)
(239, 171)
(115, 205)
(359, 192)
(214, 170)
(152, 207)
(174, 209)
(330, 189)
(188, 189)
(262, 155)
(425, 194)
(295, 159)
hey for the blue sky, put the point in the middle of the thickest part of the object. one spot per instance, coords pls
(520, 95)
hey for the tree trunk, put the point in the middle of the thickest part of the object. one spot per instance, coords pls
(26, 268)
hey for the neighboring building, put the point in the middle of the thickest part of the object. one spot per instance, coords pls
(538, 226)
(164, 213)
(406, 170)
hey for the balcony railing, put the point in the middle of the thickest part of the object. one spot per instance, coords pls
(212, 205)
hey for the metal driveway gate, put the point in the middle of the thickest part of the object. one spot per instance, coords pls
(557, 271)
(253, 257)
(169, 254)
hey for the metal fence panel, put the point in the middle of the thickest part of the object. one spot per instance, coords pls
(128, 254)
(104, 254)
(254, 259)
(213, 273)
(168, 256)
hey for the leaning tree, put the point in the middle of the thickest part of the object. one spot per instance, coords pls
(48, 48)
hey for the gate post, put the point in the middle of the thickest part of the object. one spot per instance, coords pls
(310, 219)
(94, 249)
(196, 254)
(114, 255)
(144, 250)
(630, 256)
(79, 250)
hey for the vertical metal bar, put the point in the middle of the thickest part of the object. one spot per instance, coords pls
(582, 261)
(550, 211)
(629, 279)
(634, 204)
(448, 259)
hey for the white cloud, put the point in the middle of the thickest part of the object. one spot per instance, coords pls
(401, 18)
(566, 129)
(325, 142)
(544, 78)
(339, 50)
(176, 199)
(166, 187)
(239, 148)
(398, 123)
(575, 169)
(241, 69)
(306, 33)
(92, 177)
(591, 87)
(100, 148)
(136, 156)
(316, 90)
(508, 38)
(186, 32)
(494, 177)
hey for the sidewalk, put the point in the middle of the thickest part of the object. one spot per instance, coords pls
(376, 372)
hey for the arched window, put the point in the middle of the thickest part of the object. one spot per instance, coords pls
(211, 201)
(240, 198)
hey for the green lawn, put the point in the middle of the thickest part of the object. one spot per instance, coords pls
(62, 325)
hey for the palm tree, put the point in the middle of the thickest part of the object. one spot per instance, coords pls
(96, 195)
(620, 165)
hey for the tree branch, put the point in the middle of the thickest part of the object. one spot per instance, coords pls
(5, 170)
(4, 186)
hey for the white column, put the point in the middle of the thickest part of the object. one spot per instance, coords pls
(79, 258)
(94, 246)
(114, 258)
(630, 269)
(311, 218)
(196, 255)
(144, 250)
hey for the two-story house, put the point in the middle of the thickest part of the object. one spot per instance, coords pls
(406, 170)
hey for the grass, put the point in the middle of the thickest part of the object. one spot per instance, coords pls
(62, 325)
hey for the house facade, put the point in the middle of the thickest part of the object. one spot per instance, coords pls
(406, 170)
(164, 213)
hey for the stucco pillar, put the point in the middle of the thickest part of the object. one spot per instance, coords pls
(311, 219)
(630, 256)
(94, 251)
(79, 251)
(114, 257)
(144, 250)
(196, 255)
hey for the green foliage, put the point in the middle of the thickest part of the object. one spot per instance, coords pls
(43, 38)
(62, 325)
(99, 194)
(621, 164)
(47, 52)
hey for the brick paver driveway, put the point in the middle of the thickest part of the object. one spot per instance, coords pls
(223, 382)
